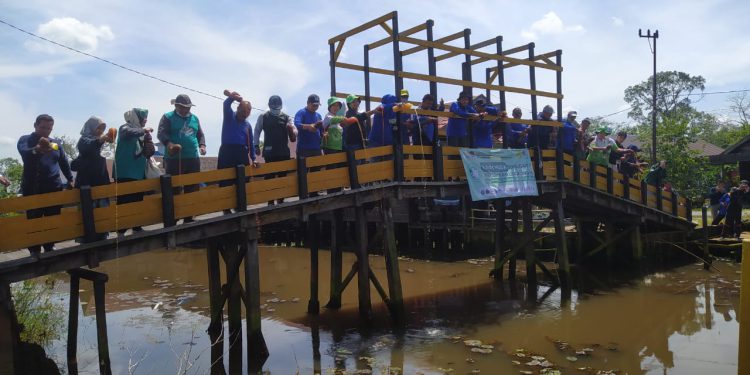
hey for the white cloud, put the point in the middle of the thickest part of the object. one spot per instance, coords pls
(617, 21)
(71, 32)
(549, 24)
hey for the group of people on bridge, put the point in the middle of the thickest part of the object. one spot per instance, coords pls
(343, 127)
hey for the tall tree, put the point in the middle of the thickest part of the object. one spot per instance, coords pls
(69, 146)
(672, 95)
(13, 170)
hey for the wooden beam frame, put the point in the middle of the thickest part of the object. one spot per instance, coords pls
(389, 39)
(465, 51)
(475, 46)
(363, 27)
(444, 39)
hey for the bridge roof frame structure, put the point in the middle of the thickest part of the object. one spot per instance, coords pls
(473, 55)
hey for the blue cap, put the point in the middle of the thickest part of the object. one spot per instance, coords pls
(274, 102)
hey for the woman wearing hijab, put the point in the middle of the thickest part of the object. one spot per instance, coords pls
(92, 167)
(134, 147)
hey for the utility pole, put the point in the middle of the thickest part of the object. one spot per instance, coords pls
(653, 36)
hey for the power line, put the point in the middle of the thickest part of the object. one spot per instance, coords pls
(109, 62)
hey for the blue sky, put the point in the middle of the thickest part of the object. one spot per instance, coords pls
(262, 48)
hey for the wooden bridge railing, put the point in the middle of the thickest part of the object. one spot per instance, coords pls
(82, 218)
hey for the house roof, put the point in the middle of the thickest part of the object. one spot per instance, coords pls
(739, 151)
(704, 148)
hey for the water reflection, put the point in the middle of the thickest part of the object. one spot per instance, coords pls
(683, 320)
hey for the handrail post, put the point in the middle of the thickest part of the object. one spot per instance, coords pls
(167, 200)
(87, 213)
(437, 160)
(576, 167)
(610, 181)
(658, 198)
(644, 193)
(626, 188)
(688, 210)
(675, 204)
(398, 161)
(241, 189)
(538, 163)
(302, 176)
(351, 161)
(559, 163)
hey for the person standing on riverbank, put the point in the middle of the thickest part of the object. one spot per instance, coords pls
(43, 162)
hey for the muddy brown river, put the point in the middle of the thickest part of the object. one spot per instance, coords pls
(678, 321)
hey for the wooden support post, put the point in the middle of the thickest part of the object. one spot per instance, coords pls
(234, 304)
(167, 208)
(397, 65)
(706, 253)
(72, 349)
(538, 163)
(688, 209)
(313, 229)
(579, 239)
(101, 328)
(530, 256)
(514, 229)
(391, 264)
(302, 176)
(363, 264)
(499, 237)
(257, 351)
(87, 212)
(431, 63)
(240, 188)
(366, 68)
(644, 193)
(216, 327)
(337, 223)
(637, 242)
(563, 270)
(675, 204)
(576, 167)
(744, 312)
(9, 334)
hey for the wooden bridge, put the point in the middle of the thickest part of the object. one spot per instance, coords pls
(373, 182)
(369, 179)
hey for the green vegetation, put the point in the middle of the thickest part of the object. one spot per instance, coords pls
(13, 170)
(41, 319)
(679, 124)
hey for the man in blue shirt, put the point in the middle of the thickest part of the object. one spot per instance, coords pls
(309, 125)
(423, 126)
(568, 133)
(43, 161)
(515, 133)
(457, 126)
(236, 141)
(482, 129)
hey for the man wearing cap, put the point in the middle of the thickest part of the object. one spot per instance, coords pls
(423, 126)
(583, 139)
(657, 174)
(618, 152)
(539, 135)
(457, 131)
(566, 141)
(482, 129)
(180, 132)
(354, 132)
(332, 129)
(629, 163)
(515, 133)
(43, 161)
(309, 125)
(601, 147)
(236, 142)
(278, 130)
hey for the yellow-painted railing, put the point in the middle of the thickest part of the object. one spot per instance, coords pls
(279, 180)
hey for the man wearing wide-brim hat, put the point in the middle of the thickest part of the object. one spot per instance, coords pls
(601, 146)
(180, 132)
